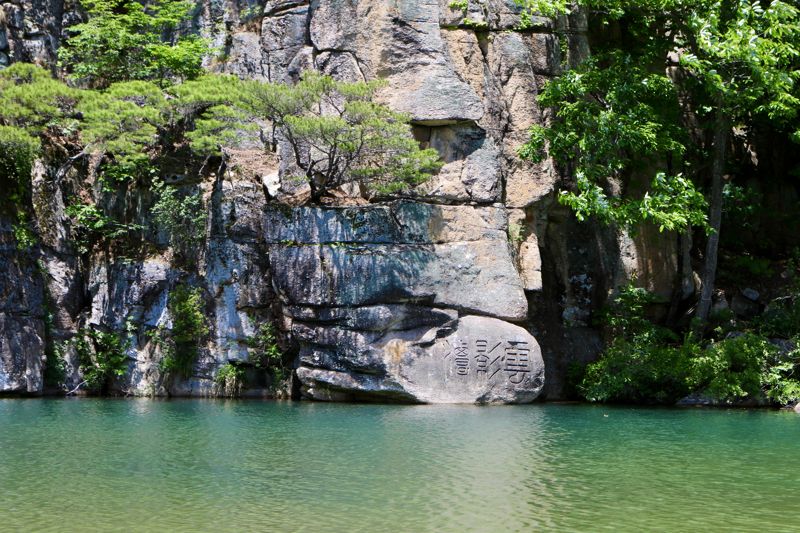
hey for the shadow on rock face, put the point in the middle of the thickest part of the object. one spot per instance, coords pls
(377, 298)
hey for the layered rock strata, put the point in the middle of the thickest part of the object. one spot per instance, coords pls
(412, 300)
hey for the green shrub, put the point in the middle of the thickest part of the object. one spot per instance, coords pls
(18, 150)
(781, 318)
(182, 217)
(641, 372)
(101, 356)
(627, 317)
(127, 40)
(92, 226)
(746, 366)
(229, 380)
(179, 347)
(644, 363)
(55, 368)
(265, 352)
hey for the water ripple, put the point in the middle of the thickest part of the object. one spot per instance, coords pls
(186, 465)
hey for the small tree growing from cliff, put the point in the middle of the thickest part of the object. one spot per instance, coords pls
(338, 134)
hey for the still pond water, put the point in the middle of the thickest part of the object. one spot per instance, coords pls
(193, 465)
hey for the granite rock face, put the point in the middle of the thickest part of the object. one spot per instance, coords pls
(468, 360)
(366, 298)
(378, 297)
(22, 320)
(402, 252)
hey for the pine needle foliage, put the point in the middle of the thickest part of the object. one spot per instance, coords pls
(338, 134)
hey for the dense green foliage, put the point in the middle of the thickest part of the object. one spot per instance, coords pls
(30, 102)
(92, 226)
(647, 363)
(182, 216)
(124, 40)
(619, 112)
(101, 356)
(18, 150)
(17, 153)
(629, 124)
(265, 352)
(179, 344)
(229, 380)
(338, 134)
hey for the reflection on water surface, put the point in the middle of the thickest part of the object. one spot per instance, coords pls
(194, 465)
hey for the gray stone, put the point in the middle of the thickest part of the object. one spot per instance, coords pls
(751, 294)
(272, 7)
(21, 317)
(283, 36)
(395, 254)
(743, 306)
(246, 57)
(21, 353)
(433, 97)
(400, 222)
(439, 274)
(380, 318)
(475, 360)
(14, 16)
(472, 171)
(530, 261)
(402, 42)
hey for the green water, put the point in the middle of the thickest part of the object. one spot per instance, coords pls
(141, 465)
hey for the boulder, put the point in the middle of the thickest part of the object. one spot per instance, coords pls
(470, 360)
(743, 306)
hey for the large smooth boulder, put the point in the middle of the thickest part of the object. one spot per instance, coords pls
(469, 360)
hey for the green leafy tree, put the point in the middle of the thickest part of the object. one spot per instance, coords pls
(188, 329)
(182, 217)
(647, 363)
(732, 62)
(92, 226)
(101, 357)
(338, 134)
(123, 123)
(126, 40)
(33, 106)
(614, 118)
(213, 110)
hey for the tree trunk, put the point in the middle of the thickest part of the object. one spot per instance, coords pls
(721, 128)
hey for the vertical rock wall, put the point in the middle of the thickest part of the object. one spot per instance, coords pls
(459, 293)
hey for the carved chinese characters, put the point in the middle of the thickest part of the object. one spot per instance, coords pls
(487, 357)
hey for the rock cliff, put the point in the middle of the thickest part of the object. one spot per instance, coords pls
(463, 292)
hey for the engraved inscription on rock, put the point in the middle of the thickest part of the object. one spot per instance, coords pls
(483, 360)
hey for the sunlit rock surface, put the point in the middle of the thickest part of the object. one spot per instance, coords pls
(469, 360)
(365, 296)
